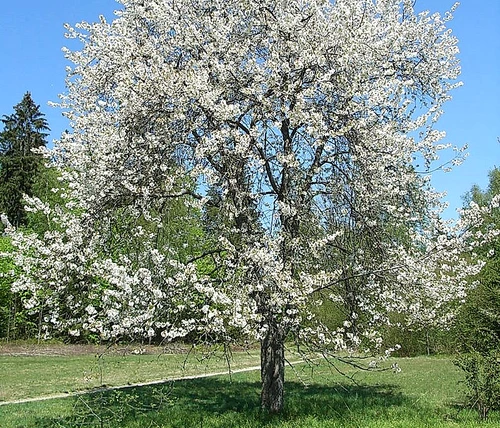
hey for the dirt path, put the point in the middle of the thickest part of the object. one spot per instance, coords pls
(135, 385)
(60, 349)
(68, 350)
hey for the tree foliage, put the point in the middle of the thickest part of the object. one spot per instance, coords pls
(24, 131)
(7, 274)
(294, 123)
(478, 323)
(22, 173)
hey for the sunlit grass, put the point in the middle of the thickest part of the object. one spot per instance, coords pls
(426, 393)
(34, 376)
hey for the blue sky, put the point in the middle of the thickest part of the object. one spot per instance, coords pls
(32, 34)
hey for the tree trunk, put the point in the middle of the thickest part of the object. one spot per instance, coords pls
(272, 363)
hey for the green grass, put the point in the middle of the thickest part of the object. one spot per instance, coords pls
(34, 376)
(424, 394)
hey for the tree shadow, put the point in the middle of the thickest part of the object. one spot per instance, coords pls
(221, 402)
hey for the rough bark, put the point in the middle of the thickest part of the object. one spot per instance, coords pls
(272, 358)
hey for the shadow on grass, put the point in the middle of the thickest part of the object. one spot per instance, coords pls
(219, 402)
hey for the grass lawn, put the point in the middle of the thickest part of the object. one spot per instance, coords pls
(424, 394)
(41, 375)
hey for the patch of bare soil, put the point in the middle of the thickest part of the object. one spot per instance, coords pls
(60, 349)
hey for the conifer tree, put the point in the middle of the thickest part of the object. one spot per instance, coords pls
(24, 130)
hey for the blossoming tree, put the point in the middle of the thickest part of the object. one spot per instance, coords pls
(306, 120)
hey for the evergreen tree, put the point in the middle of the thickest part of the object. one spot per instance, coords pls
(24, 130)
